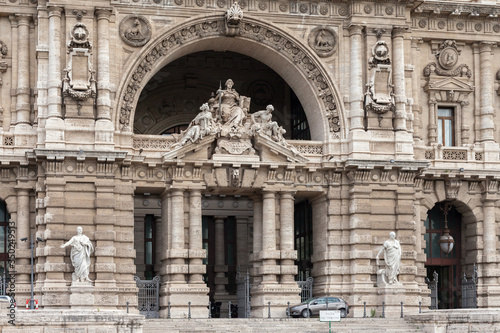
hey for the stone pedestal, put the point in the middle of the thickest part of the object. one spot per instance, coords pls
(179, 295)
(278, 295)
(392, 296)
(82, 295)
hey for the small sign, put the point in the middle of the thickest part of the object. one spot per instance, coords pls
(329, 315)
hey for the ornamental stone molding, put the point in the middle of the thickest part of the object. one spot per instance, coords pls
(135, 30)
(211, 27)
(447, 58)
(233, 19)
(323, 41)
(452, 188)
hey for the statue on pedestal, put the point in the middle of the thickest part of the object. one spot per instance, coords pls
(80, 255)
(201, 126)
(392, 257)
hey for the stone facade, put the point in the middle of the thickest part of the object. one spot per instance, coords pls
(79, 146)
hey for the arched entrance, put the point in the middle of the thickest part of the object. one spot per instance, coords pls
(171, 99)
(294, 62)
(447, 266)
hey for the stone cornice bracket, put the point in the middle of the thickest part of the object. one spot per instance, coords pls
(452, 188)
(456, 9)
(490, 188)
(233, 18)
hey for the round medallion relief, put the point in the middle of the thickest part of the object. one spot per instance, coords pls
(389, 10)
(135, 30)
(368, 9)
(448, 58)
(496, 28)
(460, 25)
(323, 10)
(323, 40)
(478, 26)
(441, 24)
(283, 7)
(304, 8)
(422, 23)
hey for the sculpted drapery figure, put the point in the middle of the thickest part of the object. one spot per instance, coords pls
(81, 248)
(392, 258)
(201, 126)
(232, 114)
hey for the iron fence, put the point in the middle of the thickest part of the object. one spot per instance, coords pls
(306, 288)
(148, 302)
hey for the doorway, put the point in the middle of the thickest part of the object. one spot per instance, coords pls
(446, 265)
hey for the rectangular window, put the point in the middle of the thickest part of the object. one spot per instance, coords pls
(446, 133)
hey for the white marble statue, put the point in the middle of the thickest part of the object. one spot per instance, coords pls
(262, 122)
(201, 126)
(392, 258)
(81, 248)
(232, 113)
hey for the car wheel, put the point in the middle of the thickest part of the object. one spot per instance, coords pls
(343, 313)
(305, 314)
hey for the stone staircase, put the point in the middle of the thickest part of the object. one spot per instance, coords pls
(236, 325)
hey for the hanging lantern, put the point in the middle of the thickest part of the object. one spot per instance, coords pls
(446, 241)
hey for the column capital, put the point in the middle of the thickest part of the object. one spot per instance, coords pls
(103, 12)
(399, 30)
(355, 29)
(54, 10)
(288, 195)
(24, 19)
(486, 46)
(177, 192)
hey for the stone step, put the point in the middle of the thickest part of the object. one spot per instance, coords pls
(313, 325)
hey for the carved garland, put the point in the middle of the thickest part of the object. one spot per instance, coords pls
(249, 30)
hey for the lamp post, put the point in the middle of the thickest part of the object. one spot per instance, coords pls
(32, 243)
(446, 241)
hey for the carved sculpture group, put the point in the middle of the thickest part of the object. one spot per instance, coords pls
(225, 115)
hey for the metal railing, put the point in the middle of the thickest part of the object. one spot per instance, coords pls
(148, 298)
(306, 288)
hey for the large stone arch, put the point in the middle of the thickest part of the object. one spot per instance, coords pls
(289, 57)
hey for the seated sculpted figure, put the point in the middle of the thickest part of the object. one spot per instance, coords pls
(201, 126)
(81, 248)
(232, 114)
(392, 258)
(262, 123)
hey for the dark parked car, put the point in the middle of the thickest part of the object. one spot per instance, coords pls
(320, 303)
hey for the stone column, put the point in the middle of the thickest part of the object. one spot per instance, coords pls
(415, 85)
(487, 124)
(23, 230)
(54, 83)
(177, 241)
(23, 107)
(257, 239)
(10, 118)
(103, 89)
(196, 251)
(432, 121)
(356, 93)
(220, 258)
(398, 77)
(288, 254)
(489, 239)
(54, 125)
(104, 126)
(268, 253)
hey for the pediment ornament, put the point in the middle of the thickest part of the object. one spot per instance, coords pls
(447, 58)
